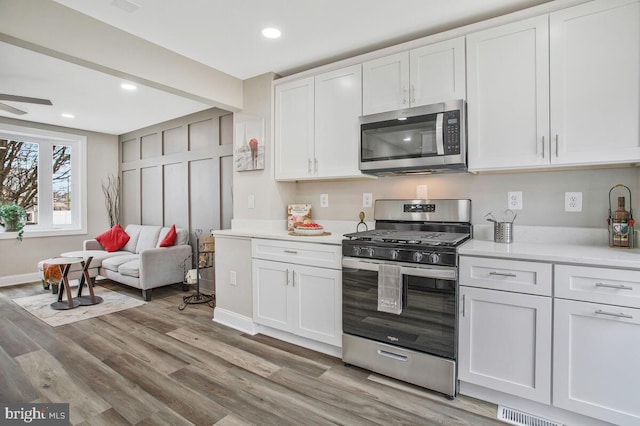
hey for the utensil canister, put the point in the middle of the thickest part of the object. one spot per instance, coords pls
(503, 232)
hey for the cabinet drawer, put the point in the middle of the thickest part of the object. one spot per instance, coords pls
(509, 275)
(600, 285)
(321, 255)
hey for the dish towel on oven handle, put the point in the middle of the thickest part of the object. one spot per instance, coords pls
(390, 289)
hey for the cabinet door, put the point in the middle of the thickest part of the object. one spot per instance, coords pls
(318, 304)
(294, 120)
(595, 89)
(271, 282)
(437, 72)
(338, 105)
(385, 84)
(505, 342)
(508, 96)
(596, 368)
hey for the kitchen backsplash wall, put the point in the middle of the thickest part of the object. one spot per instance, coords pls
(543, 194)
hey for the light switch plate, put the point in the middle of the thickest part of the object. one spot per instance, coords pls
(422, 192)
(251, 201)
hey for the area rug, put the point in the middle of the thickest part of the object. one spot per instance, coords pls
(112, 302)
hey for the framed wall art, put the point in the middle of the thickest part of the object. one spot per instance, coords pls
(248, 149)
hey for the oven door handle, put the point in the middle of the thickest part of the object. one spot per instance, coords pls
(423, 272)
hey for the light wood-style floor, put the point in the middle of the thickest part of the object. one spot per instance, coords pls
(156, 365)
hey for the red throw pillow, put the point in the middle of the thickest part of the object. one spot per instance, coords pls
(113, 239)
(170, 238)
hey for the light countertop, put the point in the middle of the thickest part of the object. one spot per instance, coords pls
(596, 255)
(544, 244)
(552, 244)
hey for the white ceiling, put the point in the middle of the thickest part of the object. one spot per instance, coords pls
(225, 35)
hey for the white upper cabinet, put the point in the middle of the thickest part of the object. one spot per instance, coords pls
(437, 73)
(595, 83)
(508, 95)
(338, 107)
(294, 132)
(317, 132)
(422, 76)
(560, 89)
(385, 84)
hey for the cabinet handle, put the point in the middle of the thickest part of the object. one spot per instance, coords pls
(291, 251)
(286, 283)
(404, 95)
(556, 146)
(463, 303)
(315, 165)
(309, 166)
(413, 93)
(503, 274)
(543, 147)
(618, 286)
(293, 278)
(613, 314)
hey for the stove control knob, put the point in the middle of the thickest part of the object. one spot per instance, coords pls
(434, 258)
(370, 251)
(357, 250)
(417, 256)
(394, 254)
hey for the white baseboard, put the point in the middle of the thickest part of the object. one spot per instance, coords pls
(19, 279)
(234, 320)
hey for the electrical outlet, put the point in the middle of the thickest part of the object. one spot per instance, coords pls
(422, 192)
(232, 278)
(324, 200)
(573, 201)
(367, 199)
(514, 200)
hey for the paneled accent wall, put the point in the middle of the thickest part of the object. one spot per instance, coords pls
(179, 172)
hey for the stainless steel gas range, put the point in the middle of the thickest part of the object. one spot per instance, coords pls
(400, 284)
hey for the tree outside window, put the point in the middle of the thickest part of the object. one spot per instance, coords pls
(20, 174)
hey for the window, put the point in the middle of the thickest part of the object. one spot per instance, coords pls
(44, 172)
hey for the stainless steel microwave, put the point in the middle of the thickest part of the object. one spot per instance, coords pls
(426, 139)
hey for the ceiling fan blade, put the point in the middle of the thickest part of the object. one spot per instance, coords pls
(14, 98)
(11, 109)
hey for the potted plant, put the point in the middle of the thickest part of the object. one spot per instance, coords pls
(13, 218)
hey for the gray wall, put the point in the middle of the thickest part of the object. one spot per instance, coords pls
(543, 194)
(18, 258)
(171, 171)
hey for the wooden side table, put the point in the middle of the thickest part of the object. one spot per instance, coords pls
(64, 263)
(91, 299)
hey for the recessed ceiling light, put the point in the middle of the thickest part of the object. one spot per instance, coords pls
(402, 118)
(271, 32)
(67, 115)
(128, 86)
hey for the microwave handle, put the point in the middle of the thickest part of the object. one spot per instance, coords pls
(439, 134)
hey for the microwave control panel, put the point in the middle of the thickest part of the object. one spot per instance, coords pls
(451, 124)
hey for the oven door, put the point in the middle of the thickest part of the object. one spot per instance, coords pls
(427, 322)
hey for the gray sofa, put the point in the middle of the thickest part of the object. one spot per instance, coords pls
(141, 263)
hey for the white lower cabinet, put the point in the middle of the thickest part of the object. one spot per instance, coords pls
(596, 345)
(299, 299)
(505, 342)
(596, 364)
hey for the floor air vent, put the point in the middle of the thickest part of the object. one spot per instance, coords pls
(518, 418)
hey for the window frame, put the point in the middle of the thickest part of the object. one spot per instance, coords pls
(47, 139)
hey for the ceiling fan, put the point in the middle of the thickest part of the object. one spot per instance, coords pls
(14, 98)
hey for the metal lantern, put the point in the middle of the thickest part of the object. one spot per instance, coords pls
(621, 233)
